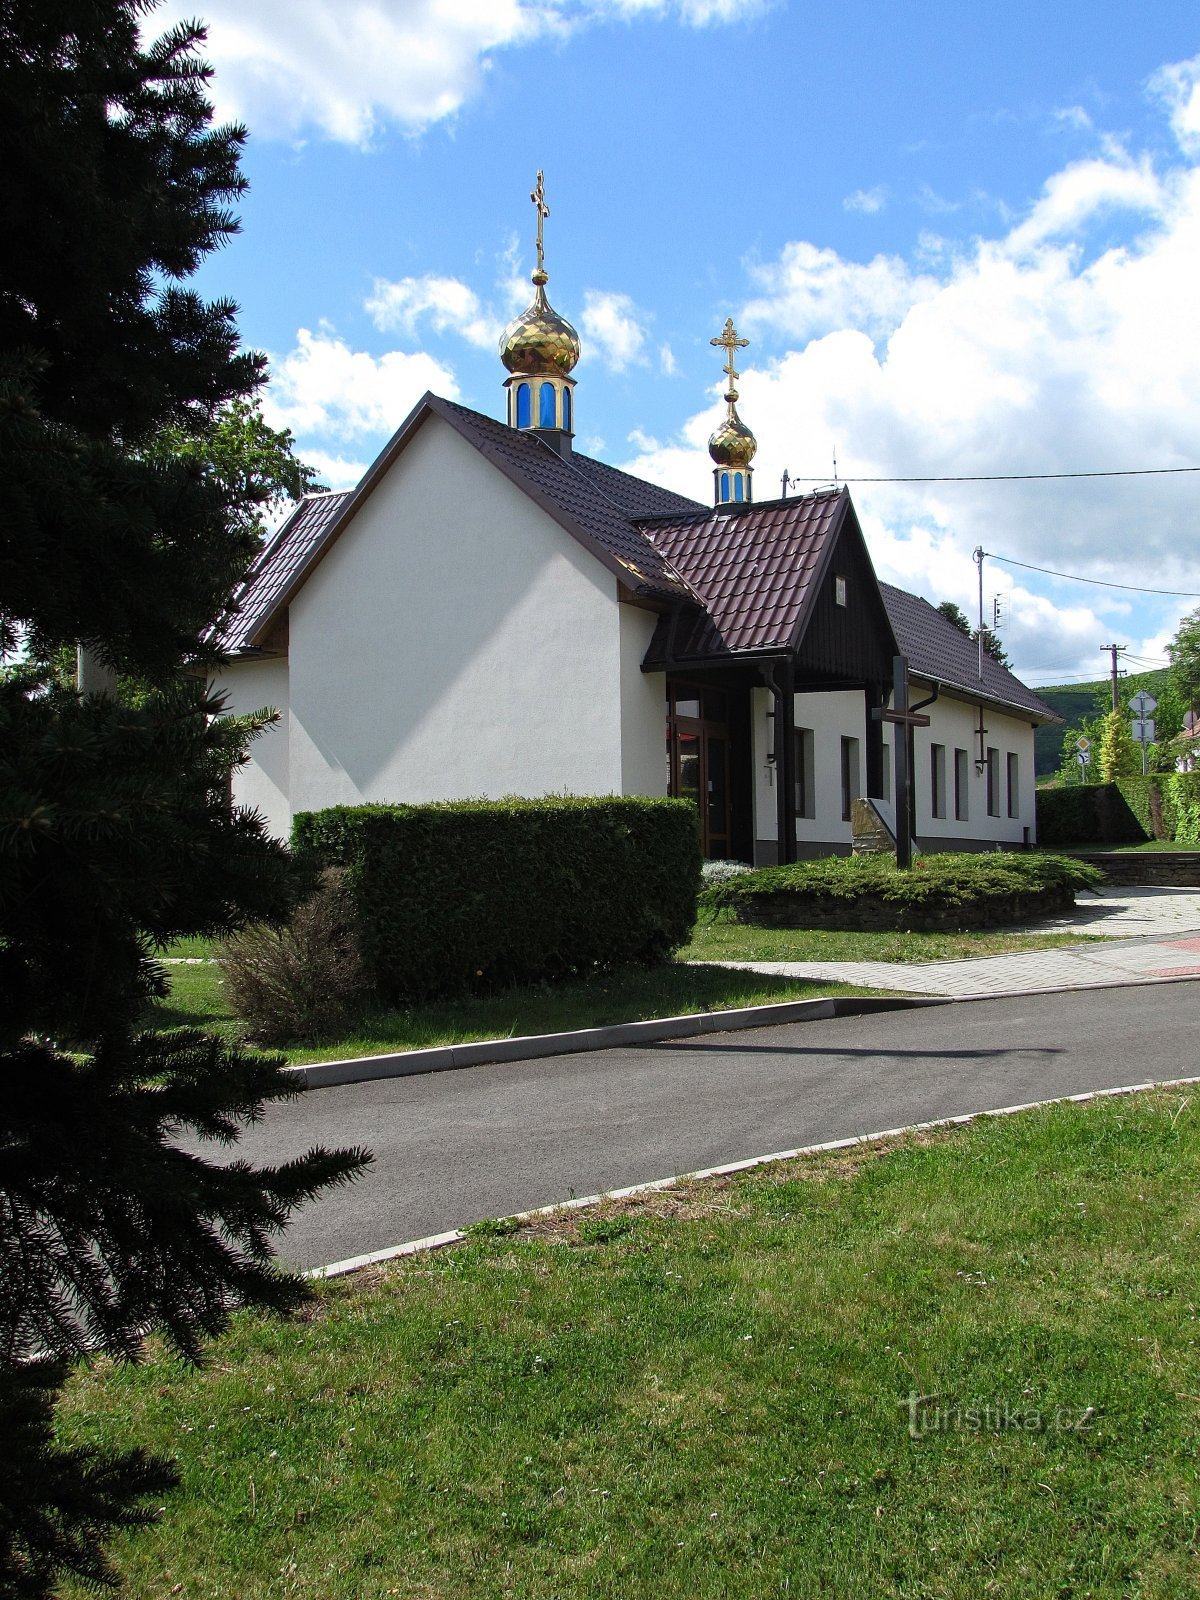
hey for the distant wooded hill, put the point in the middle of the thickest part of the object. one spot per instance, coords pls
(1073, 702)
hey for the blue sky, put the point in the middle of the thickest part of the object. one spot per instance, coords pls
(962, 238)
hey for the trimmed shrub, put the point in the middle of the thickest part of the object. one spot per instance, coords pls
(940, 891)
(1162, 805)
(300, 980)
(466, 896)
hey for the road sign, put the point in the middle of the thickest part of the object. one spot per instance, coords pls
(1142, 705)
(1084, 757)
(1143, 730)
(1083, 743)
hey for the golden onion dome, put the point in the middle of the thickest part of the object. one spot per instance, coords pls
(539, 340)
(733, 445)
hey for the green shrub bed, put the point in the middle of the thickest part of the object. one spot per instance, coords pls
(465, 897)
(939, 893)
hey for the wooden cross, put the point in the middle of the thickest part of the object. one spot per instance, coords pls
(904, 719)
(538, 196)
(731, 344)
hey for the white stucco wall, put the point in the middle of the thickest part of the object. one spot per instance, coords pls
(643, 708)
(262, 784)
(952, 724)
(454, 642)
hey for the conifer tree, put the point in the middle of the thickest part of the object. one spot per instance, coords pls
(1119, 758)
(117, 831)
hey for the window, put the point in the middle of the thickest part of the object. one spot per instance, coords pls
(547, 407)
(961, 779)
(839, 590)
(738, 484)
(805, 790)
(1014, 786)
(937, 779)
(523, 412)
(567, 409)
(993, 781)
(724, 486)
(851, 788)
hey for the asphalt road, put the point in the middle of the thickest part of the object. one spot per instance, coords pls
(451, 1147)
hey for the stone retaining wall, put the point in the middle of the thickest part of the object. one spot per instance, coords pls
(1165, 869)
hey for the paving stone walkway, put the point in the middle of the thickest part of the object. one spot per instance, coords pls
(1146, 940)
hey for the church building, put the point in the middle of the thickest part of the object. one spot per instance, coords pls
(490, 612)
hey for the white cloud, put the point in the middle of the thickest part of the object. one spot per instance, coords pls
(334, 471)
(666, 361)
(809, 290)
(1083, 190)
(447, 303)
(612, 328)
(324, 388)
(350, 68)
(1178, 86)
(1031, 351)
(868, 201)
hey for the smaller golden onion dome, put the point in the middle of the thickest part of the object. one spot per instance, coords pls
(733, 445)
(539, 340)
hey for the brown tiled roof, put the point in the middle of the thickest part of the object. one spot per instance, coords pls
(282, 557)
(937, 650)
(595, 503)
(753, 571)
(741, 580)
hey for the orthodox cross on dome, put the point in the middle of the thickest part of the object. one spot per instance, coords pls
(538, 196)
(731, 344)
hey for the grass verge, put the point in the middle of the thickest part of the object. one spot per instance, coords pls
(706, 1391)
(630, 995)
(720, 938)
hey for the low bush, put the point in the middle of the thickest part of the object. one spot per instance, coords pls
(720, 871)
(300, 980)
(466, 896)
(955, 891)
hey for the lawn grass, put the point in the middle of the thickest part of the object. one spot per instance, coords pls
(705, 1392)
(720, 938)
(197, 1000)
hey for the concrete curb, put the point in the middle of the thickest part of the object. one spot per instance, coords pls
(445, 1058)
(436, 1241)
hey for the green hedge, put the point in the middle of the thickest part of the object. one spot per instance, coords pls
(471, 895)
(957, 890)
(1163, 805)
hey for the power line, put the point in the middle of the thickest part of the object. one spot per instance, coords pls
(1011, 477)
(1100, 583)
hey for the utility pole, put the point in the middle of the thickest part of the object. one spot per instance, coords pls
(1114, 651)
(977, 556)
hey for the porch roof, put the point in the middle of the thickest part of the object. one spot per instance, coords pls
(754, 570)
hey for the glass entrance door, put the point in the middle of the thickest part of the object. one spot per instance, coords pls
(698, 760)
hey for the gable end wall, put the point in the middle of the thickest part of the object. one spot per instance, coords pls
(454, 642)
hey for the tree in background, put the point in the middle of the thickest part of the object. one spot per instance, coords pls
(253, 465)
(129, 517)
(991, 642)
(956, 615)
(1118, 756)
(1183, 652)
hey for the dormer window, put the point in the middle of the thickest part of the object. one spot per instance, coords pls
(839, 590)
